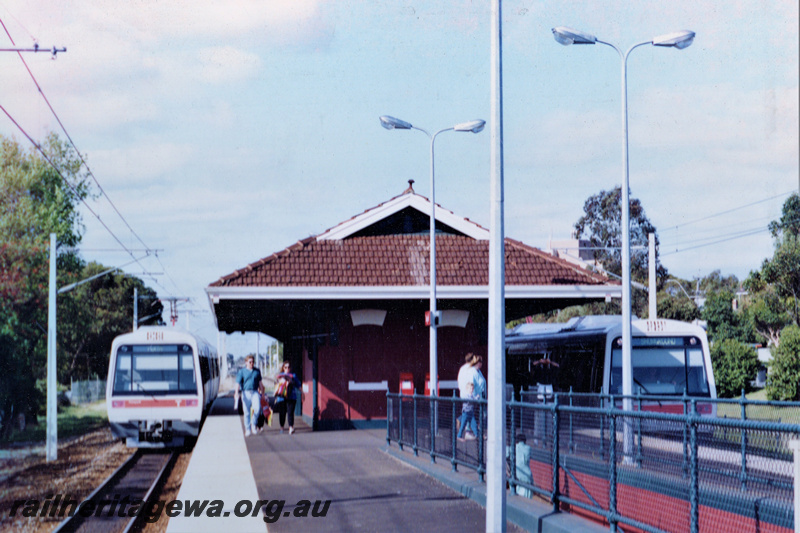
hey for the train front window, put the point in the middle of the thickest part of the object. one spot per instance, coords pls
(662, 366)
(155, 369)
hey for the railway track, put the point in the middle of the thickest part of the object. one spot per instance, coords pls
(134, 481)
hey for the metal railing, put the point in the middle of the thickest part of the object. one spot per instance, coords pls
(670, 465)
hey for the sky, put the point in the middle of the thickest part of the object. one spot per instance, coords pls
(226, 131)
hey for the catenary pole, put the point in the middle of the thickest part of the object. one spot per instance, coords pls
(51, 439)
(51, 452)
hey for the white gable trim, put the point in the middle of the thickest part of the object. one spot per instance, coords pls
(421, 204)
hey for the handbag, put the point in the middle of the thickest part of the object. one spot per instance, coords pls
(282, 389)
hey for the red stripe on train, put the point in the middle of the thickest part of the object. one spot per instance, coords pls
(154, 403)
(676, 408)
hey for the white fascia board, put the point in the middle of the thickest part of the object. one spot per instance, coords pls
(417, 292)
(391, 207)
(356, 224)
(212, 300)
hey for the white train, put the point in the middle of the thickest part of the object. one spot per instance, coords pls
(669, 358)
(161, 382)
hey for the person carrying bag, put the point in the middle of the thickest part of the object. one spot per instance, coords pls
(286, 395)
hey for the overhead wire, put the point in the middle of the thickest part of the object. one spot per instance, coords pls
(726, 212)
(69, 138)
(732, 236)
(88, 170)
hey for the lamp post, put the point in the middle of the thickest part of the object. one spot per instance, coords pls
(474, 126)
(679, 40)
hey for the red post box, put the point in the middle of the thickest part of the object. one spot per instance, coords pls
(406, 383)
(428, 386)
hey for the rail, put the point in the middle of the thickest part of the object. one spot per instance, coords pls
(663, 467)
(134, 483)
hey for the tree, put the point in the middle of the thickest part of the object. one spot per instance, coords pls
(677, 307)
(790, 218)
(735, 365)
(601, 225)
(37, 200)
(765, 309)
(783, 273)
(783, 381)
(723, 322)
(716, 282)
(93, 314)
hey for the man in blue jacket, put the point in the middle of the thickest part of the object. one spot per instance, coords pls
(248, 380)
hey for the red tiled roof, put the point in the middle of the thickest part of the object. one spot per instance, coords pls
(402, 260)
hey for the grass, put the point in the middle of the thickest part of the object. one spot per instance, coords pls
(72, 421)
(771, 413)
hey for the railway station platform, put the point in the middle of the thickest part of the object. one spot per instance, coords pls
(219, 470)
(348, 480)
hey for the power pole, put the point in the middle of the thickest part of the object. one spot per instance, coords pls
(173, 306)
(51, 447)
(36, 48)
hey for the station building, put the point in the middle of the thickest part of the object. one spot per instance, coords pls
(349, 305)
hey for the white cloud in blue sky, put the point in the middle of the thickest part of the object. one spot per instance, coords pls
(225, 131)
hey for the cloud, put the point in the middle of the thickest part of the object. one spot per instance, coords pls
(142, 163)
(227, 64)
(158, 23)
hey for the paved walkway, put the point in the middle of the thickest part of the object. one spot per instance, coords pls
(368, 490)
(340, 481)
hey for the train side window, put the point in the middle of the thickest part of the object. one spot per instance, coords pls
(204, 371)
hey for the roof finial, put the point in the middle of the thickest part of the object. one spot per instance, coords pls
(410, 187)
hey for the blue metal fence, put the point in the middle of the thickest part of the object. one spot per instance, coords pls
(663, 467)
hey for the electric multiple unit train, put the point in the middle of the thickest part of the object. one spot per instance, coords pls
(584, 355)
(161, 382)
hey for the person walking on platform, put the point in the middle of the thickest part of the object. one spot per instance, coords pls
(468, 414)
(248, 381)
(286, 395)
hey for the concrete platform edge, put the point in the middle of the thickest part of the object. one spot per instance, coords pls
(531, 515)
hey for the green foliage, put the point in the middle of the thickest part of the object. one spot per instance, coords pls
(716, 282)
(783, 273)
(735, 365)
(677, 308)
(601, 225)
(93, 314)
(765, 310)
(723, 321)
(72, 421)
(790, 218)
(783, 381)
(37, 200)
(563, 315)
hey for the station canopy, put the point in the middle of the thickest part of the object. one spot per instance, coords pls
(380, 259)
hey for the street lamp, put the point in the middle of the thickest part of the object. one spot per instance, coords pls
(474, 126)
(679, 40)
